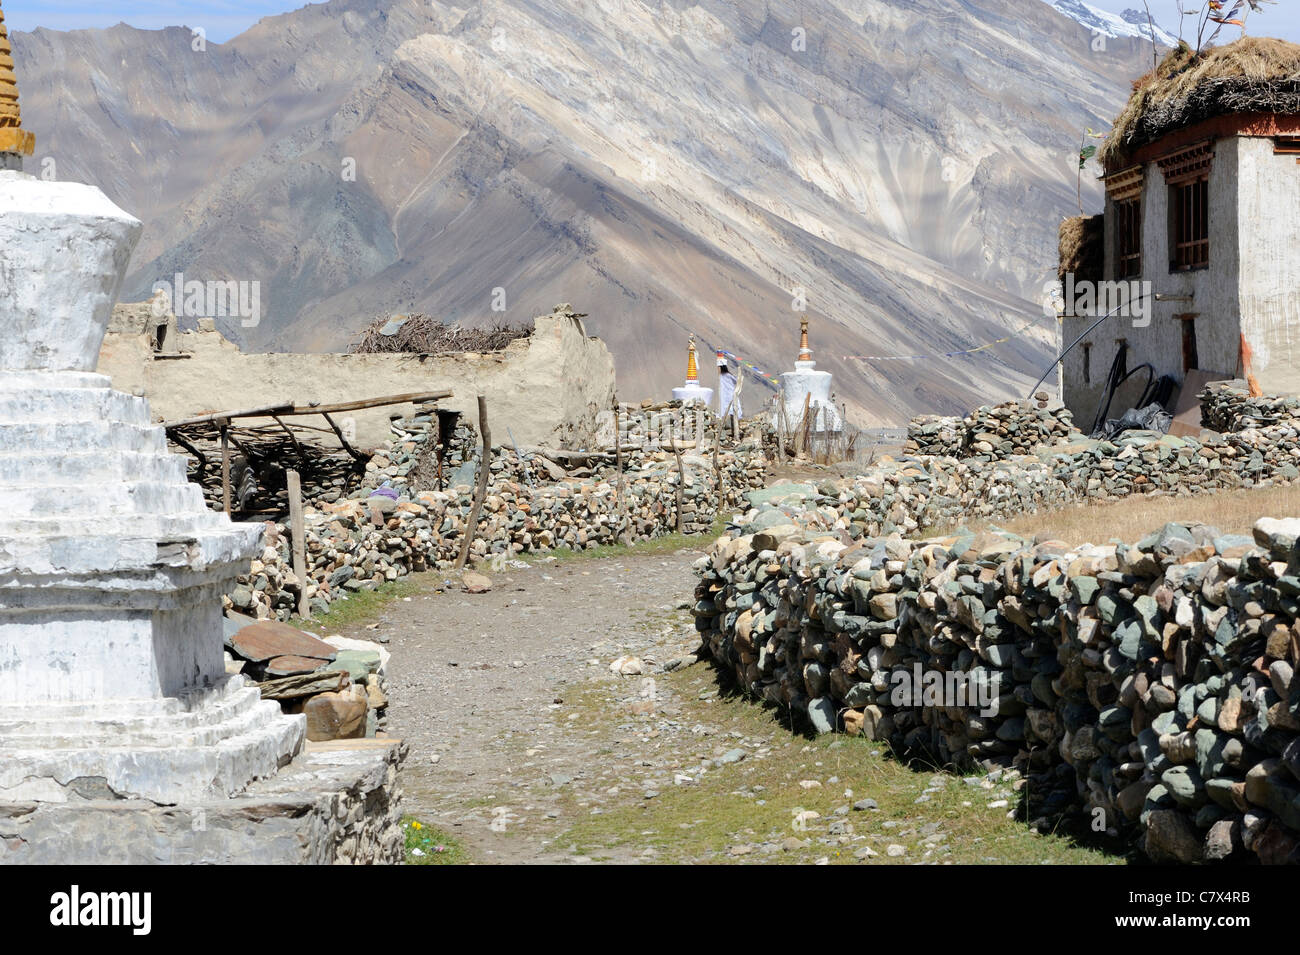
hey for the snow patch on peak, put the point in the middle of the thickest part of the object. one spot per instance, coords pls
(1130, 23)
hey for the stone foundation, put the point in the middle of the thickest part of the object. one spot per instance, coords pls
(336, 803)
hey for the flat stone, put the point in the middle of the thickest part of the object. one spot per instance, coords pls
(267, 639)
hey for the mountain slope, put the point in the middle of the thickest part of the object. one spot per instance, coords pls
(668, 167)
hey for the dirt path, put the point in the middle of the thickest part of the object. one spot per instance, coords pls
(527, 748)
(502, 750)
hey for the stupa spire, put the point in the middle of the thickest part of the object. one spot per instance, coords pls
(692, 365)
(13, 138)
(805, 352)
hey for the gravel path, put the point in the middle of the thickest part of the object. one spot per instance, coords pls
(508, 747)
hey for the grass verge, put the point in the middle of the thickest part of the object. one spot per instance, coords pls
(766, 808)
(428, 846)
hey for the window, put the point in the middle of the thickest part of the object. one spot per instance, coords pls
(1128, 239)
(1187, 174)
(1190, 202)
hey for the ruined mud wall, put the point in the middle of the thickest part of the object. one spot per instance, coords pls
(546, 390)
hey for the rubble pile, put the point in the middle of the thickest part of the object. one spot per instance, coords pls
(337, 683)
(941, 435)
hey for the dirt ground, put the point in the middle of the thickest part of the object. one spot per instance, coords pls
(527, 748)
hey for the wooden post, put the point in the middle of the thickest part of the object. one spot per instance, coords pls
(225, 464)
(783, 425)
(803, 425)
(298, 528)
(681, 469)
(620, 514)
(480, 492)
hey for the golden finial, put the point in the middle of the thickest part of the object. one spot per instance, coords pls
(13, 138)
(805, 353)
(692, 365)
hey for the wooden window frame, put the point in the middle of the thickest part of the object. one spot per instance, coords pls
(1128, 238)
(1187, 176)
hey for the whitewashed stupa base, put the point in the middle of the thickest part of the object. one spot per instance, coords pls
(112, 678)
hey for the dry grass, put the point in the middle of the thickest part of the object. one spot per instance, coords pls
(1082, 247)
(1232, 512)
(1249, 75)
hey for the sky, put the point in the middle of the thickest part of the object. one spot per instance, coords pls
(223, 19)
(1280, 19)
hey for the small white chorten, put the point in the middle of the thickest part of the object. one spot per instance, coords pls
(808, 384)
(691, 391)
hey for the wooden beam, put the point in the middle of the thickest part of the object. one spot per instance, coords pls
(289, 408)
(356, 455)
(203, 461)
(285, 407)
(415, 398)
(292, 437)
(225, 465)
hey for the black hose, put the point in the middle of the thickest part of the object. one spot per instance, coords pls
(1086, 333)
(1104, 412)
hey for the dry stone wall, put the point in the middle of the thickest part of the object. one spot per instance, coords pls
(1148, 684)
(992, 432)
(1229, 406)
(360, 543)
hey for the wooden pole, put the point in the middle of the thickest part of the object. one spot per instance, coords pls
(621, 512)
(225, 465)
(298, 528)
(480, 493)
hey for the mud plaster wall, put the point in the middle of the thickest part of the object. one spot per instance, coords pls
(544, 390)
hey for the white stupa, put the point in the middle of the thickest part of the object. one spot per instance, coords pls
(112, 677)
(691, 391)
(807, 384)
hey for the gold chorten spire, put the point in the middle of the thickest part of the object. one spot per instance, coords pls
(805, 353)
(13, 138)
(692, 365)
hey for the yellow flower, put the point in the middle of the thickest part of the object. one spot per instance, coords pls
(416, 826)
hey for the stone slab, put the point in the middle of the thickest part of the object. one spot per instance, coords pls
(266, 639)
(336, 803)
